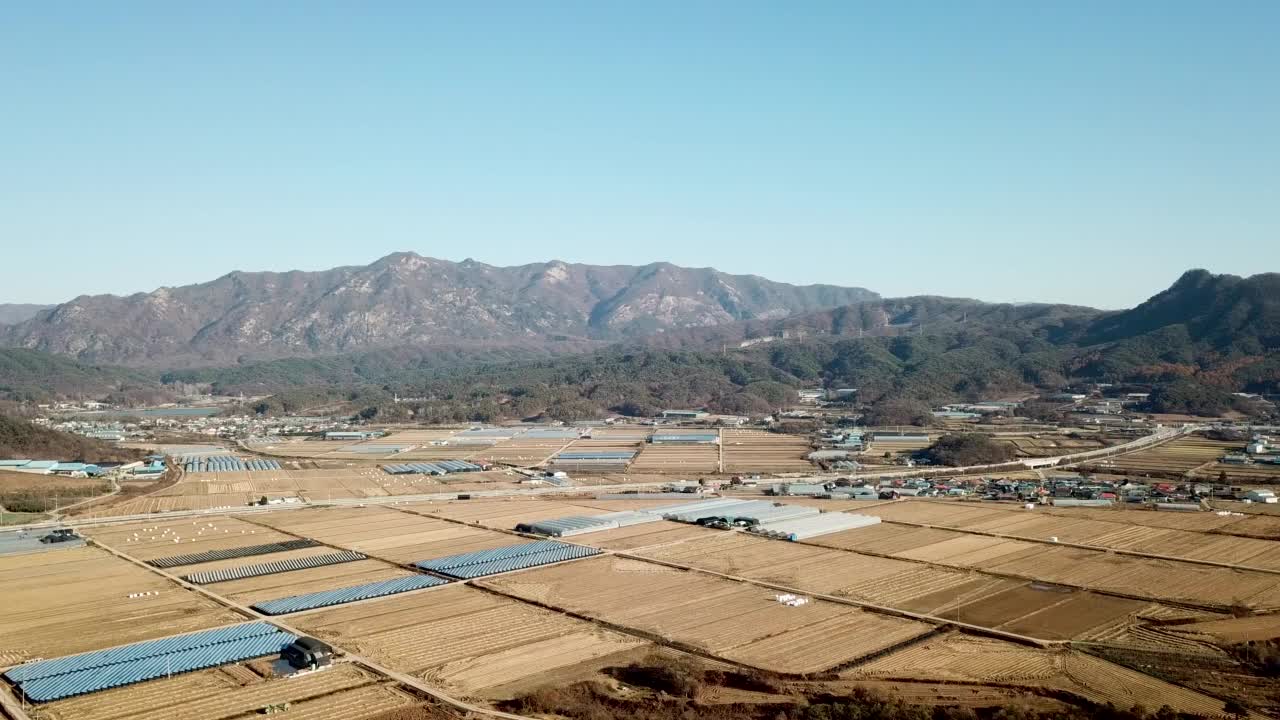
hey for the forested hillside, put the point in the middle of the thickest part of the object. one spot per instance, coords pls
(21, 439)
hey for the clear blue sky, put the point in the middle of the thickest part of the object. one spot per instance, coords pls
(1085, 151)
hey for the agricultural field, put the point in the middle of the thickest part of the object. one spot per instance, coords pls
(678, 458)
(341, 692)
(505, 514)
(1016, 605)
(646, 535)
(1145, 578)
(385, 533)
(1049, 445)
(965, 659)
(151, 540)
(1256, 474)
(736, 621)
(757, 451)
(1170, 459)
(470, 642)
(1241, 552)
(76, 600)
(522, 451)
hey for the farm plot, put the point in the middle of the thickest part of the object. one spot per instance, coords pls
(1173, 458)
(343, 691)
(764, 452)
(384, 533)
(673, 458)
(1050, 445)
(72, 601)
(1162, 580)
(646, 535)
(468, 641)
(1225, 631)
(151, 540)
(1260, 474)
(506, 514)
(966, 659)
(735, 621)
(1166, 542)
(522, 451)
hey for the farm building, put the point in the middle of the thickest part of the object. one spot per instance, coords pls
(352, 434)
(589, 461)
(437, 467)
(689, 438)
(799, 489)
(892, 436)
(815, 525)
(684, 414)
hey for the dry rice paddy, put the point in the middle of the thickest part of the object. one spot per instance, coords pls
(467, 641)
(70, 601)
(738, 622)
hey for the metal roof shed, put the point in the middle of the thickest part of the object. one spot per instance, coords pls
(815, 525)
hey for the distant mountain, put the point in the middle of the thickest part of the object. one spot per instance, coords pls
(405, 299)
(11, 313)
(1221, 312)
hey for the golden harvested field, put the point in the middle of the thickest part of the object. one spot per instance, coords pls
(71, 601)
(467, 641)
(736, 621)
(1228, 631)
(150, 540)
(1110, 534)
(507, 513)
(1257, 473)
(1179, 456)
(385, 533)
(1159, 580)
(678, 458)
(966, 659)
(337, 693)
(748, 451)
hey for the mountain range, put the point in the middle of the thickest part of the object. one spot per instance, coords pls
(480, 342)
(405, 299)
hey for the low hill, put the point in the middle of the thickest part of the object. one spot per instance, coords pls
(28, 375)
(22, 439)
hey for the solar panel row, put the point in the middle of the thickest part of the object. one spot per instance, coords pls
(481, 556)
(157, 666)
(231, 553)
(339, 596)
(560, 554)
(248, 571)
(126, 653)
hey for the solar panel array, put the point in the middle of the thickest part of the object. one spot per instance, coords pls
(225, 463)
(504, 559)
(546, 557)
(271, 568)
(90, 672)
(338, 596)
(231, 553)
(439, 467)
